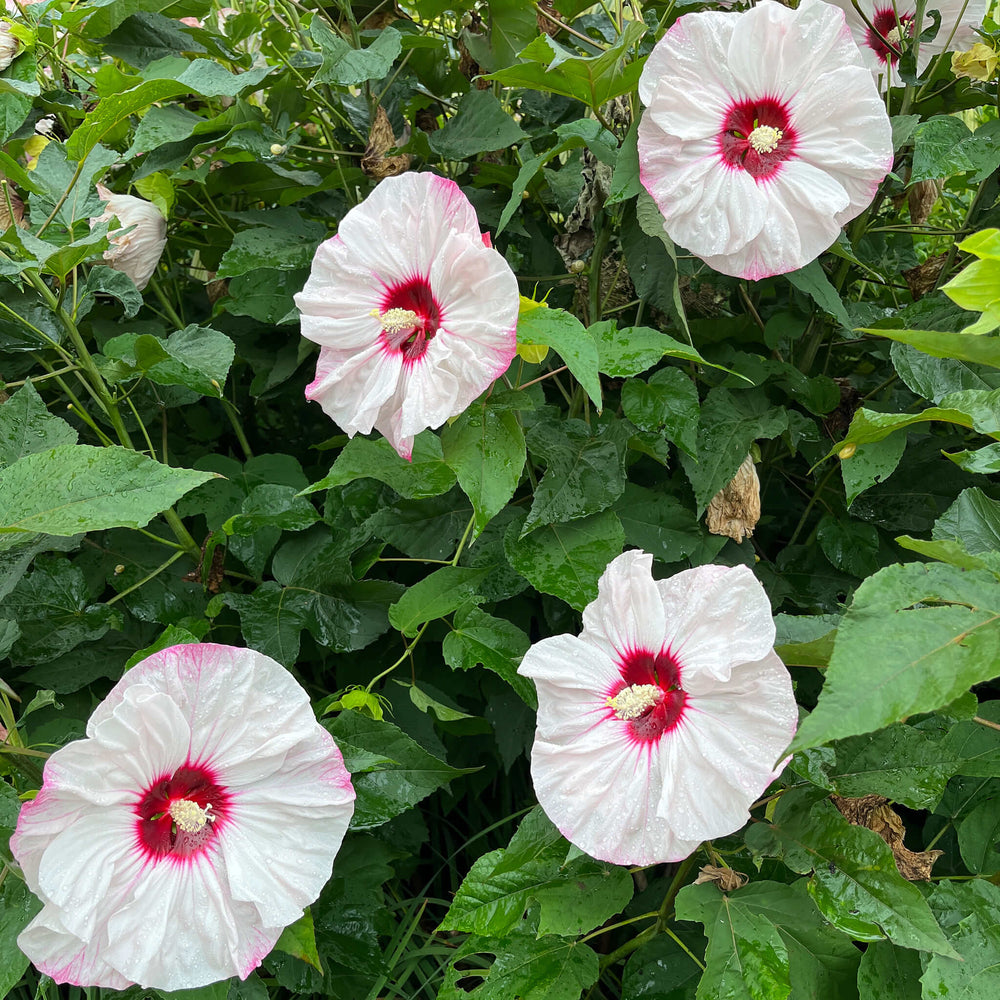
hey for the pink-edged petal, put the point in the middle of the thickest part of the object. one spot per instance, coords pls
(64, 957)
(574, 672)
(717, 617)
(628, 613)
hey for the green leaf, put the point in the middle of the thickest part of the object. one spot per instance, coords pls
(979, 838)
(272, 505)
(967, 912)
(982, 350)
(17, 908)
(435, 596)
(869, 426)
(265, 247)
(953, 553)
(526, 967)
(625, 181)
(347, 66)
(769, 940)
(594, 80)
(583, 474)
(105, 15)
(574, 896)
(422, 529)
(871, 464)
(632, 350)
(943, 146)
(426, 475)
(812, 280)
(984, 460)
(77, 487)
(667, 404)
(730, 423)
(485, 449)
(479, 125)
(566, 560)
(658, 523)
(851, 546)
(299, 939)
(566, 335)
(196, 357)
(937, 630)
(974, 520)
(478, 639)
(663, 970)
(889, 973)
(17, 87)
(26, 426)
(412, 775)
(512, 25)
(977, 288)
(171, 636)
(855, 882)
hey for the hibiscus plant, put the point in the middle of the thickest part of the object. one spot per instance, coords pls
(498, 499)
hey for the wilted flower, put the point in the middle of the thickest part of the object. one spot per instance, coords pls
(893, 23)
(735, 509)
(200, 815)
(414, 311)
(979, 63)
(763, 134)
(8, 46)
(137, 252)
(660, 723)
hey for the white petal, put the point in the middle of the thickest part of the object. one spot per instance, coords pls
(717, 617)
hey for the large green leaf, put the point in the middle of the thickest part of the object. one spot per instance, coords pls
(566, 560)
(566, 335)
(768, 940)
(594, 80)
(485, 449)
(525, 967)
(730, 423)
(26, 426)
(17, 907)
(968, 913)
(435, 596)
(407, 775)
(574, 895)
(667, 404)
(479, 125)
(936, 631)
(888, 972)
(347, 66)
(633, 349)
(983, 350)
(855, 882)
(77, 487)
(584, 474)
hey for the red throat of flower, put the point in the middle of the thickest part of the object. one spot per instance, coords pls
(649, 697)
(886, 26)
(410, 316)
(757, 136)
(180, 814)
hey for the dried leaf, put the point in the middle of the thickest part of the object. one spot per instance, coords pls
(725, 878)
(380, 139)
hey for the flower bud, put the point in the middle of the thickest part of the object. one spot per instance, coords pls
(847, 451)
(8, 46)
(137, 252)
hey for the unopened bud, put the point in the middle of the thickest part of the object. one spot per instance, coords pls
(847, 451)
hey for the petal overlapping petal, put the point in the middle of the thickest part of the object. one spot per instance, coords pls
(125, 903)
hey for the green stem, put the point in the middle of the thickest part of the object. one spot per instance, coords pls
(233, 414)
(165, 303)
(151, 576)
(402, 659)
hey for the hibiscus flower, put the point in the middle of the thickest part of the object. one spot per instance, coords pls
(763, 134)
(660, 724)
(894, 23)
(414, 311)
(138, 251)
(200, 815)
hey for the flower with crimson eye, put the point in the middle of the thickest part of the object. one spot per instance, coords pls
(660, 723)
(198, 818)
(414, 311)
(893, 23)
(763, 134)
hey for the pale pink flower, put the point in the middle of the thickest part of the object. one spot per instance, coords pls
(414, 311)
(894, 23)
(138, 251)
(763, 134)
(200, 815)
(660, 724)
(9, 46)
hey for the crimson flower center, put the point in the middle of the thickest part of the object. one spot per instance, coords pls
(410, 317)
(757, 136)
(886, 25)
(180, 814)
(649, 696)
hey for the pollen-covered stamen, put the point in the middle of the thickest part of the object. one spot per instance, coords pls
(397, 320)
(635, 701)
(765, 138)
(189, 816)
(893, 37)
